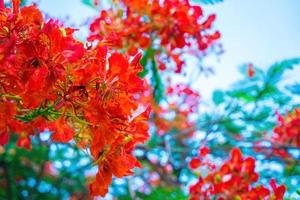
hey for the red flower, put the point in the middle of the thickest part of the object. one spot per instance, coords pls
(4, 137)
(237, 171)
(175, 24)
(49, 80)
(278, 190)
(25, 142)
(195, 163)
(62, 132)
(236, 156)
(287, 131)
(8, 123)
(250, 70)
(203, 151)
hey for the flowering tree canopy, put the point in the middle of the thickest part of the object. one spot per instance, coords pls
(116, 114)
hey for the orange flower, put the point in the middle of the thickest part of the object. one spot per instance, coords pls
(237, 171)
(49, 80)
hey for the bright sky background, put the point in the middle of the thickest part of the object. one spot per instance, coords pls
(257, 31)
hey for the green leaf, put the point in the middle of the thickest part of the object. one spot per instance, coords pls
(232, 127)
(264, 113)
(89, 3)
(156, 82)
(40, 111)
(167, 193)
(144, 61)
(248, 93)
(154, 141)
(208, 1)
(218, 97)
(281, 99)
(124, 197)
(291, 170)
(294, 89)
(275, 72)
(298, 191)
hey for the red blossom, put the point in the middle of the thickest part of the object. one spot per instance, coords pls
(287, 132)
(250, 70)
(195, 163)
(25, 142)
(238, 172)
(175, 24)
(278, 190)
(48, 79)
(203, 151)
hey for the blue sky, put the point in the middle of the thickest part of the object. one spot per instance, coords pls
(257, 31)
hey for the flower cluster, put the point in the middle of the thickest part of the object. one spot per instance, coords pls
(287, 132)
(183, 102)
(233, 180)
(168, 27)
(49, 80)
